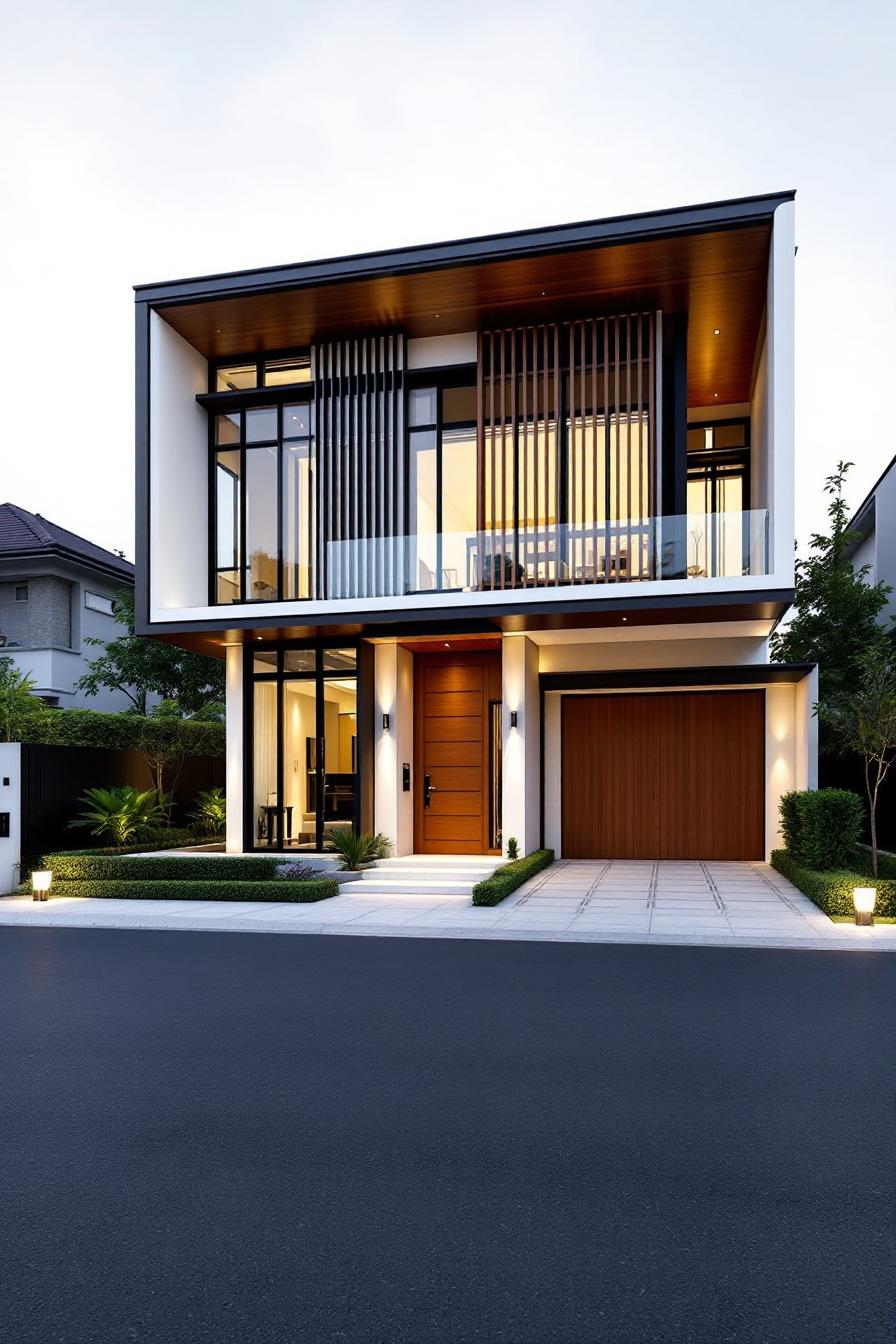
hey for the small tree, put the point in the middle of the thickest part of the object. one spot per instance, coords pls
(837, 610)
(18, 703)
(141, 667)
(862, 719)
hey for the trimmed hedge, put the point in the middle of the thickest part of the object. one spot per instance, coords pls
(319, 889)
(124, 732)
(166, 868)
(831, 890)
(822, 827)
(512, 875)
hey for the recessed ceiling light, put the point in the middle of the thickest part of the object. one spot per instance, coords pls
(717, 331)
(715, 394)
(447, 645)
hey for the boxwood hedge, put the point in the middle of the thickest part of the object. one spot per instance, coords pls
(506, 879)
(831, 889)
(318, 889)
(163, 867)
(822, 827)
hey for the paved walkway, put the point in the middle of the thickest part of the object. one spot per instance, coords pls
(721, 904)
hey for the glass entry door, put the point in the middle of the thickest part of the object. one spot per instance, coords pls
(304, 753)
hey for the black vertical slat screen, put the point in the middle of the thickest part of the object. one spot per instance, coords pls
(359, 424)
(567, 452)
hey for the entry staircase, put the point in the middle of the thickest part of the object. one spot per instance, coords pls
(423, 875)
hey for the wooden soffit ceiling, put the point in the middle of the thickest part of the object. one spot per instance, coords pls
(718, 278)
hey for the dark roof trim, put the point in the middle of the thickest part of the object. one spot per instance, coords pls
(749, 674)
(489, 247)
(125, 577)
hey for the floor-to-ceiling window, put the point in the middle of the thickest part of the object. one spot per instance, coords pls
(442, 491)
(304, 748)
(264, 481)
(718, 495)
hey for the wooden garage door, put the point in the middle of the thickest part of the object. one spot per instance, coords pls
(677, 775)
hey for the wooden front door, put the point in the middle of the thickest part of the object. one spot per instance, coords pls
(452, 774)
(677, 775)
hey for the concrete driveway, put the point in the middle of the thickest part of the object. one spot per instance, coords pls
(722, 904)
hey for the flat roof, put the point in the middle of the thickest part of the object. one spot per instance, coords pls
(487, 247)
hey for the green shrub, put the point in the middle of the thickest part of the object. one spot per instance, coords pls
(296, 892)
(506, 879)
(167, 868)
(832, 890)
(165, 837)
(210, 811)
(513, 849)
(125, 732)
(356, 850)
(822, 827)
(120, 814)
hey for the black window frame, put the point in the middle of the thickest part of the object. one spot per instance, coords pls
(238, 404)
(278, 677)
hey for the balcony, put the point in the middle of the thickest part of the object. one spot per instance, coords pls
(694, 546)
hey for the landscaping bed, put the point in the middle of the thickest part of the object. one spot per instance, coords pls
(171, 877)
(315, 889)
(510, 876)
(831, 889)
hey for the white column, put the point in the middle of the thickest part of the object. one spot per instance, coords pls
(521, 791)
(393, 808)
(234, 726)
(780, 392)
(11, 802)
(807, 732)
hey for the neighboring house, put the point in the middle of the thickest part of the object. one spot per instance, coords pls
(874, 544)
(491, 533)
(56, 590)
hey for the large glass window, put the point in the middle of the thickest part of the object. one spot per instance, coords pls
(263, 498)
(718, 497)
(305, 747)
(442, 494)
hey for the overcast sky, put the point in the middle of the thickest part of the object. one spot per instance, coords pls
(162, 140)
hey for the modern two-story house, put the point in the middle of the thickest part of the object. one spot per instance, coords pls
(491, 533)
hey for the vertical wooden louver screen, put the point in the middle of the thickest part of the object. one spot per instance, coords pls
(567, 452)
(361, 485)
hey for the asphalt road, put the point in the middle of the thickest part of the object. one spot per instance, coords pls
(228, 1137)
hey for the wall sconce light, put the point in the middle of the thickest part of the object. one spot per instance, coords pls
(385, 723)
(863, 898)
(514, 718)
(41, 881)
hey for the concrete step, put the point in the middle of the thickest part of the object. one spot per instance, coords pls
(419, 873)
(407, 886)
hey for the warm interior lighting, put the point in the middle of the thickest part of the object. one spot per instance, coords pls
(41, 881)
(863, 898)
(717, 331)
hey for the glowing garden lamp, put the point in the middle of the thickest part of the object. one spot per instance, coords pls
(41, 881)
(863, 899)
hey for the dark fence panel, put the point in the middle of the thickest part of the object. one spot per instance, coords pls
(53, 779)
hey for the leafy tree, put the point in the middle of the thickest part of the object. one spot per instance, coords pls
(837, 610)
(19, 706)
(862, 719)
(143, 667)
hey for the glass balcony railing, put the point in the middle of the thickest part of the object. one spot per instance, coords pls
(686, 546)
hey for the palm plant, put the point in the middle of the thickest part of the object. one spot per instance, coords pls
(121, 814)
(356, 850)
(210, 811)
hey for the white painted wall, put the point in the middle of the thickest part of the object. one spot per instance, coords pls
(431, 352)
(639, 648)
(759, 436)
(234, 761)
(521, 766)
(780, 400)
(11, 802)
(178, 476)
(394, 689)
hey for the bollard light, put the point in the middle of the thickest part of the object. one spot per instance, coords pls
(41, 881)
(863, 898)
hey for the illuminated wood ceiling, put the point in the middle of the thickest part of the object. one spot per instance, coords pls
(718, 278)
